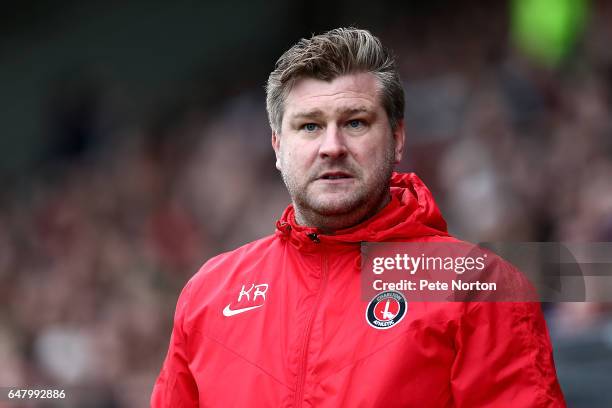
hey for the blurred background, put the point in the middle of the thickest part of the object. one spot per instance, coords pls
(134, 145)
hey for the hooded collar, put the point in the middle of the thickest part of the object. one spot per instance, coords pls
(411, 213)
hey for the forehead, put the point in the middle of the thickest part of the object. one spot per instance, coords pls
(347, 92)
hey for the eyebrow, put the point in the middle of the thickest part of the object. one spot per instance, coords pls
(317, 113)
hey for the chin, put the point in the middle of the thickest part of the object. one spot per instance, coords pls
(336, 206)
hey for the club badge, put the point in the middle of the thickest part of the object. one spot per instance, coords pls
(386, 310)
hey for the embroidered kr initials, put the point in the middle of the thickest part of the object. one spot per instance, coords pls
(257, 291)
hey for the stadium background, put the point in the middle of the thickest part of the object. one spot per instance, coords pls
(134, 145)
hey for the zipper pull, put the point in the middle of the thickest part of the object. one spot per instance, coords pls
(314, 237)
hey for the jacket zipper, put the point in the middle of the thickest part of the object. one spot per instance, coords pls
(299, 390)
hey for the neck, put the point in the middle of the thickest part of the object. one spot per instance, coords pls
(328, 224)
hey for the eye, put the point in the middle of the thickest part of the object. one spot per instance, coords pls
(355, 124)
(310, 127)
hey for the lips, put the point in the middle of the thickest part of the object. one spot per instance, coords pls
(334, 175)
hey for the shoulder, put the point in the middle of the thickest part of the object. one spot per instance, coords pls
(221, 278)
(229, 265)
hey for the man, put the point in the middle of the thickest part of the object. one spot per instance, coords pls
(280, 322)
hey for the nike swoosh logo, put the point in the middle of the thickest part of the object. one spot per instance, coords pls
(227, 312)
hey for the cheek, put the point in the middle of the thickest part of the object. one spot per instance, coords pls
(299, 156)
(368, 155)
(290, 163)
(373, 158)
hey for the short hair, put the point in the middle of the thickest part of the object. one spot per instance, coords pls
(338, 52)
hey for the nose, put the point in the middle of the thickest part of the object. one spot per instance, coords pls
(333, 143)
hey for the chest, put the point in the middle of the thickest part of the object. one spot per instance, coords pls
(295, 331)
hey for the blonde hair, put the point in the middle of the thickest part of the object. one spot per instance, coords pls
(338, 52)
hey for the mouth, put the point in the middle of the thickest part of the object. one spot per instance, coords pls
(335, 176)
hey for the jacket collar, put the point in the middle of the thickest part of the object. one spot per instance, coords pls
(411, 213)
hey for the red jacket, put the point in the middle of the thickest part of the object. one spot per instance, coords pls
(280, 322)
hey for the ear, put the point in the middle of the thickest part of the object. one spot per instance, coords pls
(276, 147)
(400, 137)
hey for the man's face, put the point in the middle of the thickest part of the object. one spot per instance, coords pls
(336, 149)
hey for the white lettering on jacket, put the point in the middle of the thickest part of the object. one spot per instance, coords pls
(258, 291)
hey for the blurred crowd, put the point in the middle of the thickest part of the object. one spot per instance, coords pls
(98, 238)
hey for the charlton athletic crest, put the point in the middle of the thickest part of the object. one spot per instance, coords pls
(386, 310)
